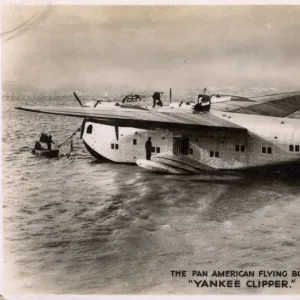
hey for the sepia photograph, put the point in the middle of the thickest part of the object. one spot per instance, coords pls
(150, 149)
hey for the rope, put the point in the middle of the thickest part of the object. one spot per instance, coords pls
(69, 137)
(69, 154)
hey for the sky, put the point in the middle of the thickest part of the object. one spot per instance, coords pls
(66, 48)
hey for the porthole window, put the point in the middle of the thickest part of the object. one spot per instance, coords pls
(211, 153)
(217, 154)
(89, 129)
(292, 148)
(297, 148)
(269, 150)
(117, 146)
(134, 141)
(157, 149)
(263, 149)
(242, 148)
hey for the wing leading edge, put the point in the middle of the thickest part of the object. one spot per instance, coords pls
(141, 119)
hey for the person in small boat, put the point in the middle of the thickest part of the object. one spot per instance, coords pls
(37, 146)
(156, 99)
(148, 146)
(49, 142)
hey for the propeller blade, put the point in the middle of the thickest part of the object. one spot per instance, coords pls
(77, 98)
(98, 101)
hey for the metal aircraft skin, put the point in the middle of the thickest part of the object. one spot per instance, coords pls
(237, 133)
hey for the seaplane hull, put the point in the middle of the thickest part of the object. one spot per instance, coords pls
(46, 153)
(257, 146)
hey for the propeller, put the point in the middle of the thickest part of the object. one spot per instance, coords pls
(77, 98)
(97, 102)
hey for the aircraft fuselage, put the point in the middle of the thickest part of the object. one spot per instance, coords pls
(265, 141)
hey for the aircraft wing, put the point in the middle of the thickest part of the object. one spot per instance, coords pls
(285, 105)
(127, 117)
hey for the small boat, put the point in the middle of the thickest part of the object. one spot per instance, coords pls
(38, 150)
(46, 153)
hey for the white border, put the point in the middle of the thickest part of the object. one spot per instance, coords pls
(152, 2)
(145, 297)
(127, 297)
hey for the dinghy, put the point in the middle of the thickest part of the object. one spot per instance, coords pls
(38, 150)
(46, 153)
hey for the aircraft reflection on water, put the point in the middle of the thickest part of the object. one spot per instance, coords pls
(209, 135)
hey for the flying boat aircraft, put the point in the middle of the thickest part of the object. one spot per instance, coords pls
(214, 133)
